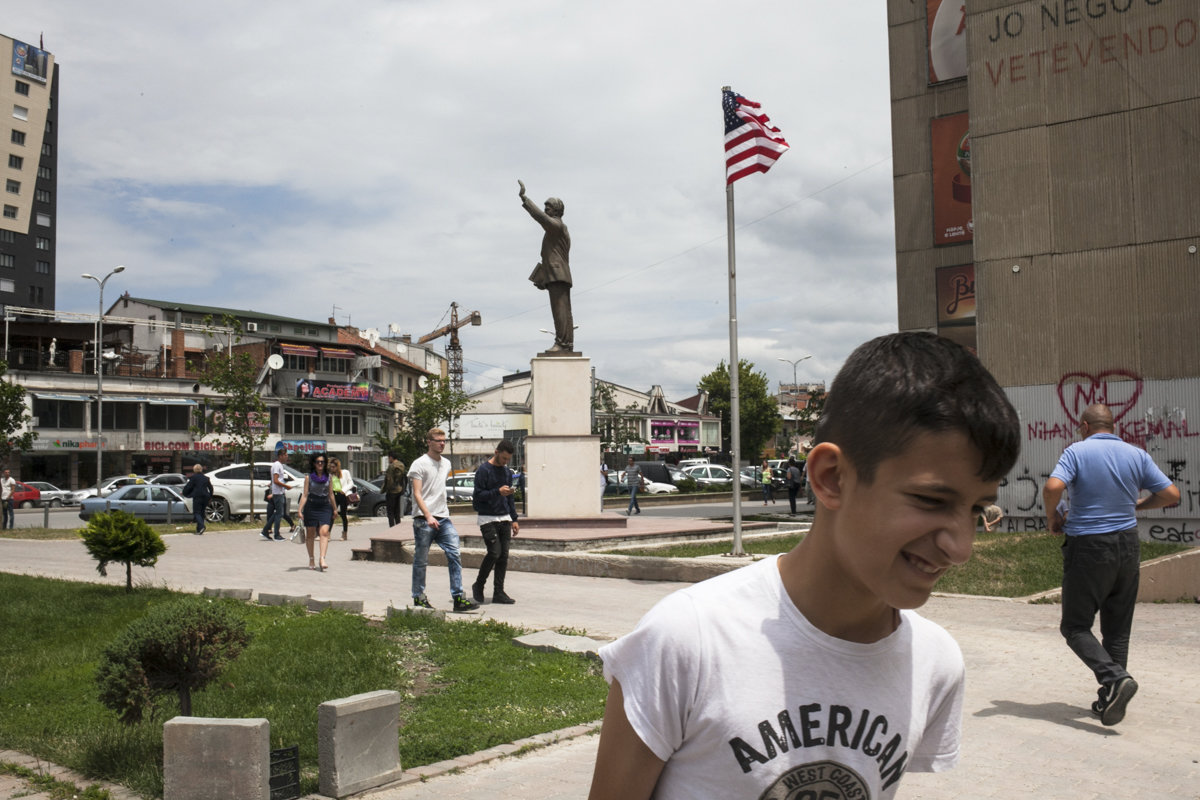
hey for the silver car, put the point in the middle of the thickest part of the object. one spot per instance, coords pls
(151, 503)
(52, 495)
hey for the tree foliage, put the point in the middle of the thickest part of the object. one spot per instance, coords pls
(176, 648)
(13, 417)
(614, 425)
(758, 411)
(118, 537)
(436, 405)
(233, 374)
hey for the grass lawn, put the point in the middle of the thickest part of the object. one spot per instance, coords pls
(1002, 564)
(465, 686)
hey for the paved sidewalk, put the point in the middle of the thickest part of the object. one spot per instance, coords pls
(1027, 727)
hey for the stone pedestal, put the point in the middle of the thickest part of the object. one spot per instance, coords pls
(562, 456)
(213, 759)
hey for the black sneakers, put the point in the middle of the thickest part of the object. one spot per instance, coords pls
(462, 604)
(477, 592)
(422, 602)
(1110, 706)
(502, 598)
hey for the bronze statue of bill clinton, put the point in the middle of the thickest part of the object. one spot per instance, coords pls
(553, 272)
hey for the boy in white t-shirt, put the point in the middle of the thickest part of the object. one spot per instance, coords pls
(808, 675)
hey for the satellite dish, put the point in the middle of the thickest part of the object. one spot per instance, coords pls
(372, 335)
(275, 361)
(422, 382)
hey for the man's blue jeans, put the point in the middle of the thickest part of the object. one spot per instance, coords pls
(274, 514)
(9, 516)
(633, 503)
(446, 537)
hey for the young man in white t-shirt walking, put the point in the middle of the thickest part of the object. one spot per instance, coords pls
(431, 522)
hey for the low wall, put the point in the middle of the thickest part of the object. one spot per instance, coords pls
(1171, 578)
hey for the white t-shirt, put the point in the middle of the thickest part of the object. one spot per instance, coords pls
(732, 686)
(433, 476)
(277, 469)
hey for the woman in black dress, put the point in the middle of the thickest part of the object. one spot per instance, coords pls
(316, 508)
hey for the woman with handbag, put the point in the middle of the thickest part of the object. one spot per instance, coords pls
(316, 508)
(343, 484)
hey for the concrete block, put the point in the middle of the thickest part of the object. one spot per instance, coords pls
(437, 613)
(233, 594)
(550, 641)
(268, 599)
(358, 742)
(320, 604)
(215, 759)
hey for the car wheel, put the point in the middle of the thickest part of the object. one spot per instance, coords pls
(56, 503)
(380, 510)
(217, 511)
(27, 504)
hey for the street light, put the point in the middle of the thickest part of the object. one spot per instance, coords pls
(100, 375)
(795, 389)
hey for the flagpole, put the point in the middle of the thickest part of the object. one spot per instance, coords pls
(735, 429)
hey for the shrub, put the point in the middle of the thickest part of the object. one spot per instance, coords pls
(686, 484)
(176, 647)
(120, 537)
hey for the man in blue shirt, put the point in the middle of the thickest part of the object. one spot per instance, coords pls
(1101, 558)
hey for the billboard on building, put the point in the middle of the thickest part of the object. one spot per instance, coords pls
(950, 146)
(946, 27)
(956, 304)
(30, 62)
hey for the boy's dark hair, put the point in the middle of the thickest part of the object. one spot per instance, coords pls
(895, 387)
(506, 446)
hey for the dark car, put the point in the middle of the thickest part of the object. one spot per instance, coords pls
(372, 502)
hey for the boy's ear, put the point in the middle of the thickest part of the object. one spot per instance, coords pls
(826, 467)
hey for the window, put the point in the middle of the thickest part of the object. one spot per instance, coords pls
(49, 126)
(16, 162)
(341, 423)
(36, 294)
(301, 421)
(7, 286)
(43, 219)
(42, 196)
(119, 416)
(61, 414)
(167, 418)
(18, 137)
(22, 88)
(43, 243)
(332, 364)
(43, 267)
(45, 172)
(8, 237)
(299, 363)
(47, 149)
(274, 327)
(21, 112)
(10, 212)
(12, 187)
(7, 260)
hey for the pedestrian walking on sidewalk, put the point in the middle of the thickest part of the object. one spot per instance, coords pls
(394, 484)
(277, 496)
(492, 498)
(431, 522)
(793, 483)
(316, 508)
(1101, 553)
(199, 488)
(634, 481)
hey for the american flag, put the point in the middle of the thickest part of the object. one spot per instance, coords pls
(752, 144)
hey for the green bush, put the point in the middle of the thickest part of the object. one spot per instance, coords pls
(686, 485)
(175, 647)
(120, 537)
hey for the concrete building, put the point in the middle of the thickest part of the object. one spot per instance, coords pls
(29, 103)
(327, 388)
(1046, 158)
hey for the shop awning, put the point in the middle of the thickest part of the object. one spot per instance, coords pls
(172, 401)
(110, 398)
(338, 352)
(298, 350)
(77, 398)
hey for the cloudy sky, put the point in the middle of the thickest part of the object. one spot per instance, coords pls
(317, 158)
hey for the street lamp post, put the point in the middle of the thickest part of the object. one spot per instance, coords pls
(795, 391)
(100, 375)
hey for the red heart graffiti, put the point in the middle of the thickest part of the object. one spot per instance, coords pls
(1117, 388)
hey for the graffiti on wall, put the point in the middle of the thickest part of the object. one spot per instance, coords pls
(1150, 414)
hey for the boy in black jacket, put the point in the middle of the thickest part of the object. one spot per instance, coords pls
(493, 500)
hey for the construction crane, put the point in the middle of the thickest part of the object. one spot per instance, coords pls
(454, 349)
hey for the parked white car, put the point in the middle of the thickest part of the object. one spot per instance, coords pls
(232, 492)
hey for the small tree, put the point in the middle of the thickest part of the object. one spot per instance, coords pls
(119, 537)
(176, 648)
(808, 417)
(615, 425)
(758, 411)
(13, 417)
(234, 375)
